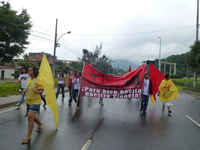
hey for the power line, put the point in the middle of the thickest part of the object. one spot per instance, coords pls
(133, 34)
(44, 38)
(43, 33)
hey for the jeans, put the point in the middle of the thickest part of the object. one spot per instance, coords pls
(22, 99)
(70, 93)
(60, 87)
(144, 103)
(74, 95)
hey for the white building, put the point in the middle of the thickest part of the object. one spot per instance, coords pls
(6, 72)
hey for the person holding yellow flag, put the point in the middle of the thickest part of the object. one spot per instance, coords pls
(46, 79)
(167, 93)
(33, 93)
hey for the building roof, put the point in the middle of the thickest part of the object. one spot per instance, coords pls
(7, 67)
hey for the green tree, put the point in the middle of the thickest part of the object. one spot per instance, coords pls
(194, 60)
(76, 66)
(101, 62)
(181, 63)
(14, 30)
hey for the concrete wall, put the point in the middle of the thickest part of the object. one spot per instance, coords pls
(7, 73)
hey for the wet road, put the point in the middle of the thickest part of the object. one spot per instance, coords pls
(115, 126)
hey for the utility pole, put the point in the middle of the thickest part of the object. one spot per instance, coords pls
(159, 59)
(197, 38)
(55, 40)
(56, 44)
(54, 50)
(197, 25)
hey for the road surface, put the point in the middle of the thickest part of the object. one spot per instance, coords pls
(115, 126)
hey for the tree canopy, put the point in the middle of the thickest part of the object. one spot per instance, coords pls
(98, 60)
(194, 56)
(14, 30)
(101, 62)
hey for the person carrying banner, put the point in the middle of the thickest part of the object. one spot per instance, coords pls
(61, 85)
(167, 93)
(76, 87)
(33, 92)
(23, 79)
(70, 86)
(146, 91)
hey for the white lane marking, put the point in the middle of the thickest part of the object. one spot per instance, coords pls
(86, 145)
(195, 122)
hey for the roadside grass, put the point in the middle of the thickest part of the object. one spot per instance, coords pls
(9, 88)
(180, 88)
(186, 83)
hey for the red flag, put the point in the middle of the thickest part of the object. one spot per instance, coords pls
(129, 70)
(156, 78)
(97, 84)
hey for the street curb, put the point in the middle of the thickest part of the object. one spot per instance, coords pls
(8, 104)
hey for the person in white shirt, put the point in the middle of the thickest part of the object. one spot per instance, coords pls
(76, 87)
(61, 85)
(146, 91)
(23, 77)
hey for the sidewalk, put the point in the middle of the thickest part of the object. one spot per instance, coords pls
(10, 100)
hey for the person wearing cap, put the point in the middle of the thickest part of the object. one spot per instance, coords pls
(146, 91)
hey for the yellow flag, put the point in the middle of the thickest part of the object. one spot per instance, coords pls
(46, 78)
(167, 91)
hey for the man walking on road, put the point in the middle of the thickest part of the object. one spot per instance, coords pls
(145, 94)
(23, 79)
(76, 87)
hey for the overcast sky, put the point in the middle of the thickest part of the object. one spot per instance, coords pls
(128, 29)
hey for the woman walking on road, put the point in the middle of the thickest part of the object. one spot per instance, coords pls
(33, 92)
(70, 86)
(61, 85)
(167, 93)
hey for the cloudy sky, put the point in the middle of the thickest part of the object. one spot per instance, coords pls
(128, 29)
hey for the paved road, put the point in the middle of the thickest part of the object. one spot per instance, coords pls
(116, 126)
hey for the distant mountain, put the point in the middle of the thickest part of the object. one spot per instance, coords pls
(124, 64)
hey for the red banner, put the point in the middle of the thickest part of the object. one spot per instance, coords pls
(97, 84)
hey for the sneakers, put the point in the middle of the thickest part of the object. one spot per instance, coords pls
(101, 103)
(18, 107)
(169, 113)
(143, 114)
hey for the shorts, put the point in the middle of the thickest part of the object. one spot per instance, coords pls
(34, 108)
